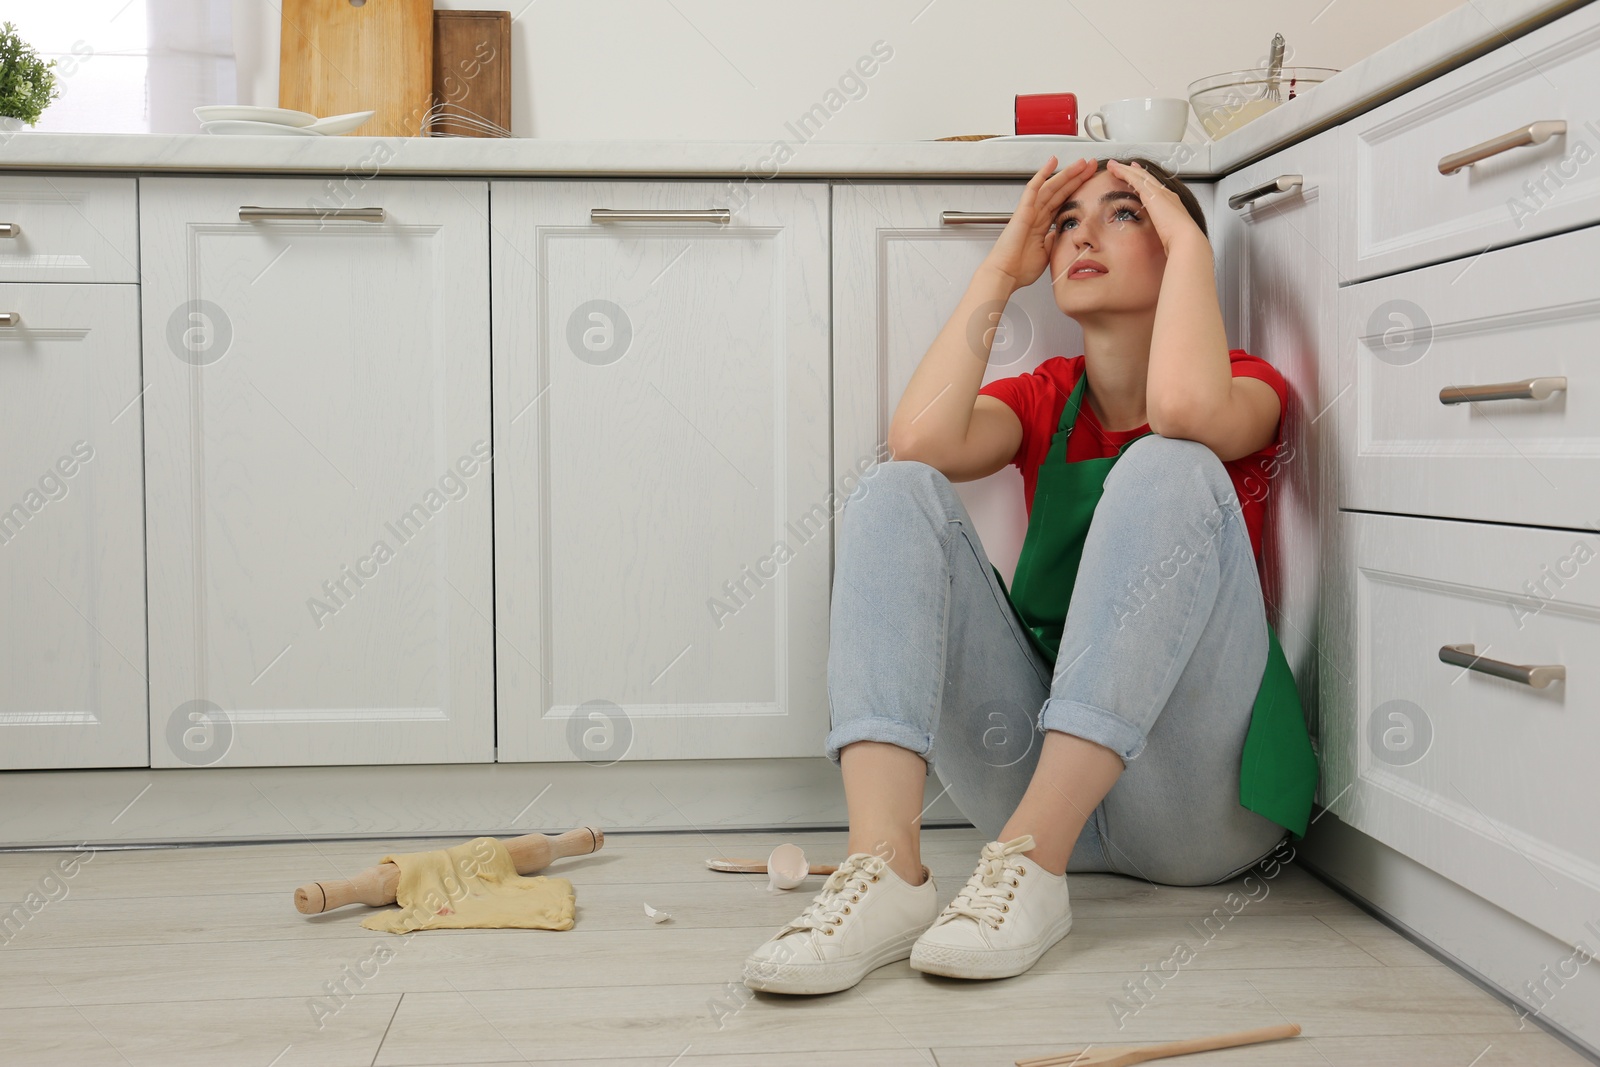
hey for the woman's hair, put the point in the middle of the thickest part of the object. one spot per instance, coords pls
(1164, 176)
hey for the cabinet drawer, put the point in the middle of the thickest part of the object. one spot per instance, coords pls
(56, 228)
(1406, 213)
(1487, 780)
(1529, 311)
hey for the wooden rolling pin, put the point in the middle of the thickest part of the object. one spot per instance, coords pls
(376, 886)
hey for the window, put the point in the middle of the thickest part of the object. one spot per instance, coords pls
(131, 66)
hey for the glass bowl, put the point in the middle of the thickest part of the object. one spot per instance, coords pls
(1224, 102)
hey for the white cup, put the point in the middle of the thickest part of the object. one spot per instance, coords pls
(1139, 118)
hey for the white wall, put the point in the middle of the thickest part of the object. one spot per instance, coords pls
(726, 70)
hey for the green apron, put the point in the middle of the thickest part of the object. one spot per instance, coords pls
(1278, 771)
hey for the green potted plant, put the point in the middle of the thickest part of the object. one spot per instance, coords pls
(27, 83)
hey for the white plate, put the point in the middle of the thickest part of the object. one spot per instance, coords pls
(281, 116)
(257, 129)
(1039, 137)
(337, 124)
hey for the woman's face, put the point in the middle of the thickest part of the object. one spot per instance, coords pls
(1116, 234)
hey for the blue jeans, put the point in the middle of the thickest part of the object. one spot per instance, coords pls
(1164, 646)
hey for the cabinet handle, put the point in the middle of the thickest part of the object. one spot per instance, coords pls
(1527, 389)
(1533, 133)
(10, 318)
(1538, 677)
(611, 214)
(979, 218)
(251, 213)
(1281, 184)
(10, 229)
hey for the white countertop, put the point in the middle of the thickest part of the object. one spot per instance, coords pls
(1476, 27)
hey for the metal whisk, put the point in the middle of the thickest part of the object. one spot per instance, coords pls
(1274, 67)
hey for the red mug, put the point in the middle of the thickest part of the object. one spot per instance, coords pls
(1047, 113)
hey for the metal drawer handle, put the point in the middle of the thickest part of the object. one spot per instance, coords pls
(1538, 677)
(611, 214)
(10, 229)
(978, 218)
(10, 318)
(1281, 184)
(1527, 389)
(1533, 133)
(251, 213)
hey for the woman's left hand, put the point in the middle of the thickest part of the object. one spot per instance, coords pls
(1166, 212)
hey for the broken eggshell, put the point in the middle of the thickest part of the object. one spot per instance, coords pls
(656, 914)
(786, 867)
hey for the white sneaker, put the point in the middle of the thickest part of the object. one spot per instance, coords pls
(864, 917)
(1007, 915)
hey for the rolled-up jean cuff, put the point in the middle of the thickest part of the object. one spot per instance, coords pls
(1092, 724)
(880, 728)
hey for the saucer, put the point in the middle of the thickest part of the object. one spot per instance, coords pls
(245, 113)
(337, 124)
(250, 127)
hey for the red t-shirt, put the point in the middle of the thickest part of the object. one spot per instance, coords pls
(1039, 396)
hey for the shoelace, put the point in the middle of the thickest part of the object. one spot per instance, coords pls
(828, 907)
(989, 891)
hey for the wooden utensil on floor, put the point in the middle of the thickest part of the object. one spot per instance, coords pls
(1123, 1057)
(749, 866)
(335, 57)
(376, 885)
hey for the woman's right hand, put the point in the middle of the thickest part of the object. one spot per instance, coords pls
(1023, 248)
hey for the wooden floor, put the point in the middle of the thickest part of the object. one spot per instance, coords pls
(197, 956)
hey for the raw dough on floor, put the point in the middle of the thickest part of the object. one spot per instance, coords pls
(472, 886)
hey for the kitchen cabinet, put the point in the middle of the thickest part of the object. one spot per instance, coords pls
(72, 665)
(904, 255)
(317, 445)
(1475, 774)
(1465, 478)
(1277, 234)
(661, 470)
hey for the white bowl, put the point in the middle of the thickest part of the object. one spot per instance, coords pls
(256, 129)
(281, 116)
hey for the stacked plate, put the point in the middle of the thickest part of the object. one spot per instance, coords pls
(274, 121)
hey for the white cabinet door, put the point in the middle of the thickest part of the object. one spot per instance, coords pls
(661, 471)
(899, 271)
(72, 651)
(1278, 250)
(317, 399)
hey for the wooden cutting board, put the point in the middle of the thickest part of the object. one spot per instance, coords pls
(335, 58)
(471, 72)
